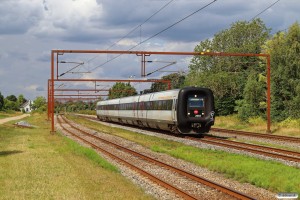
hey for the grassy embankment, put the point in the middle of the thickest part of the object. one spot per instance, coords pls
(37, 165)
(270, 175)
(288, 127)
(9, 114)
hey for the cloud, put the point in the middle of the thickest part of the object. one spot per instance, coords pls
(44, 57)
(18, 15)
(64, 19)
(31, 87)
(40, 88)
(127, 43)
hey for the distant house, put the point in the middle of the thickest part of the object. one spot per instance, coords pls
(27, 106)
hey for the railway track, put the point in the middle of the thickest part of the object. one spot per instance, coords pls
(244, 133)
(258, 135)
(276, 153)
(190, 176)
(257, 149)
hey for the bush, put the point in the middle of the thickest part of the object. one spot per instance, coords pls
(290, 123)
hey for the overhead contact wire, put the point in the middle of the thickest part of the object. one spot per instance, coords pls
(136, 27)
(172, 25)
(265, 10)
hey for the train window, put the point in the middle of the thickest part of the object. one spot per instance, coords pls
(141, 105)
(156, 106)
(169, 104)
(150, 105)
(195, 102)
(164, 105)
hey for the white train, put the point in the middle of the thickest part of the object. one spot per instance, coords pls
(187, 110)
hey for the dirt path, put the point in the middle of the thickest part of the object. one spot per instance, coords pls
(2, 121)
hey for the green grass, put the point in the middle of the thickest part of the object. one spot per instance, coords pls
(77, 149)
(270, 175)
(87, 112)
(6, 114)
(35, 164)
(288, 127)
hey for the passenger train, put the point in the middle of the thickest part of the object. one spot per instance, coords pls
(187, 110)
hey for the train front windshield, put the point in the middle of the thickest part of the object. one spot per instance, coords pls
(195, 106)
(195, 102)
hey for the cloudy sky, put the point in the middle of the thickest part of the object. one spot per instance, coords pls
(30, 29)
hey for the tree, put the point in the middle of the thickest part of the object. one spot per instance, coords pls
(1, 101)
(227, 76)
(12, 98)
(284, 49)
(119, 90)
(21, 99)
(10, 105)
(254, 100)
(176, 81)
(40, 104)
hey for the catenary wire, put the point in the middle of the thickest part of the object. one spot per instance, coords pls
(151, 37)
(265, 10)
(164, 6)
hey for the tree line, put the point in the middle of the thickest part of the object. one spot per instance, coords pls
(13, 103)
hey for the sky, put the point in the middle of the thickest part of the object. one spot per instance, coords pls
(30, 29)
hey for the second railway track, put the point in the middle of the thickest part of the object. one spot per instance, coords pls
(257, 149)
(258, 135)
(275, 153)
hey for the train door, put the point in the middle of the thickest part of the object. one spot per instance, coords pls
(174, 110)
(134, 104)
(139, 108)
(142, 110)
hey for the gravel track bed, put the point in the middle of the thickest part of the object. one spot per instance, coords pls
(160, 192)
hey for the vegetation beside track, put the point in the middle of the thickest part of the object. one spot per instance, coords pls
(37, 165)
(7, 114)
(270, 175)
(288, 127)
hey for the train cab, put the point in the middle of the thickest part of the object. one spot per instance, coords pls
(195, 110)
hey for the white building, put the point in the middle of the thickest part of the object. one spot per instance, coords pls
(27, 106)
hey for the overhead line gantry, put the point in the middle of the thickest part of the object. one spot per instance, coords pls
(143, 54)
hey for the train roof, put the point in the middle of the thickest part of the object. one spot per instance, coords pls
(140, 95)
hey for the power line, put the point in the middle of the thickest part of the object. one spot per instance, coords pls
(172, 25)
(138, 26)
(141, 24)
(265, 9)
